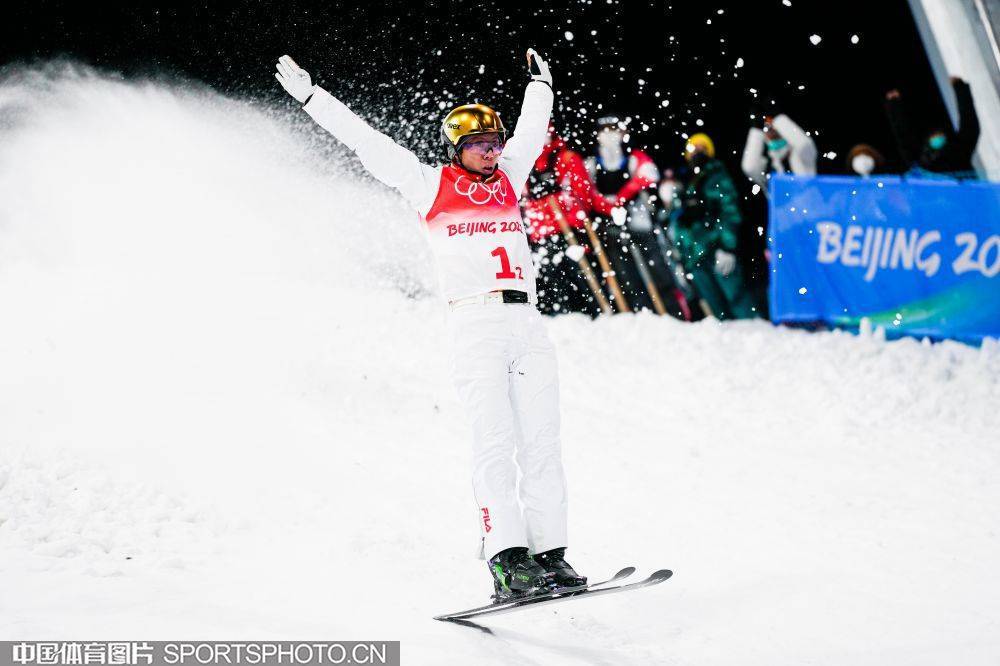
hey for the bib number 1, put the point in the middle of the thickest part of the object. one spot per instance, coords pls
(505, 272)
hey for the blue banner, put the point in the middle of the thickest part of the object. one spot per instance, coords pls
(919, 257)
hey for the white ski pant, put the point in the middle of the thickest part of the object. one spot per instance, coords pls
(505, 371)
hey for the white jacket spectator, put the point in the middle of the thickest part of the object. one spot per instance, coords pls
(780, 147)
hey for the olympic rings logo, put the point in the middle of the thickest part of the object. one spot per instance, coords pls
(480, 193)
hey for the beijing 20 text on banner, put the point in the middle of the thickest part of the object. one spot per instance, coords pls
(919, 257)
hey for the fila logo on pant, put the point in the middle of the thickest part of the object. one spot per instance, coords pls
(486, 519)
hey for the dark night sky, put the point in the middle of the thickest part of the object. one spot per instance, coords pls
(385, 58)
(387, 54)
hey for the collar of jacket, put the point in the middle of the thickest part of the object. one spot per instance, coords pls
(473, 175)
(622, 163)
(709, 168)
(713, 164)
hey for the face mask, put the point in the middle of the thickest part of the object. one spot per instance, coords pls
(608, 139)
(776, 145)
(937, 142)
(698, 160)
(863, 164)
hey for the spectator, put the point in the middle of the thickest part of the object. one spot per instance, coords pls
(787, 148)
(623, 178)
(864, 160)
(706, 230)
(667, 206)
(559, 175)
(943, 150)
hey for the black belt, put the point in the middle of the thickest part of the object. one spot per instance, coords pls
(513, 296)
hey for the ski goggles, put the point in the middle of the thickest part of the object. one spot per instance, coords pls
(482, 147)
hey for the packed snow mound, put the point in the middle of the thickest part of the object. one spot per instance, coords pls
(226, 413)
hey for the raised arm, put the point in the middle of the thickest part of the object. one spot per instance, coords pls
(803, 148)
(900, 124)
(385, 159)
(524, 147)
(968, 120)
(754, 164)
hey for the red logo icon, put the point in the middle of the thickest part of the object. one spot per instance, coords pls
(486, 519)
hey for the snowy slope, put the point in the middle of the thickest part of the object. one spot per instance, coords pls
(224, 413)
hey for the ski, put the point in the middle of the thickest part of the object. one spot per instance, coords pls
(621, 575)
(508, 607)
(561, 595)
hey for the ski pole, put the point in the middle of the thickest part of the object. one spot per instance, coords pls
(602, 259)
(647, 278)
(585, 267)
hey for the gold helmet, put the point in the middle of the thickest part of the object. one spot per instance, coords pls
(468, 120)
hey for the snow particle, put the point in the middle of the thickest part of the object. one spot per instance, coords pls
(568, 35)
(802, 290)
(815, 39)
(755, 189)
(855, 39)
(739, 63)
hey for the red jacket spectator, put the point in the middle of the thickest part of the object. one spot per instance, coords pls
(641, 174)
(559, 171)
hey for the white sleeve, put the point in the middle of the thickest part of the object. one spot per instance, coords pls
(754, 163)
(524, 147)
(385, 159)
(803, 148)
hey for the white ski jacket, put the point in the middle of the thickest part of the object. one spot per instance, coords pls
(801, 154)
(474, 224)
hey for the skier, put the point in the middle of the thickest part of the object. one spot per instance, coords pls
(706, 228)
(623, 177)
(561, 179)
(503, 363)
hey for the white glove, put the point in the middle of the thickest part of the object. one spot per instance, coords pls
(538, 68)
(619, 215)
(294, 79)
(725, 262)
(575, 252)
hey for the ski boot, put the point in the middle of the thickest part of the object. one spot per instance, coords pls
(562, 574)
(516, 575)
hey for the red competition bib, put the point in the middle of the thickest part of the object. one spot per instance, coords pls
(477, 235)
